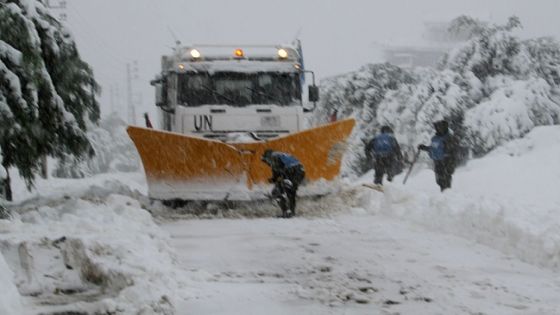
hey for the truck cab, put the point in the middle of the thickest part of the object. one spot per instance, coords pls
(217, 92)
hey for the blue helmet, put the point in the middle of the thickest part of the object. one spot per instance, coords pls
(386, 129)
(267, 155)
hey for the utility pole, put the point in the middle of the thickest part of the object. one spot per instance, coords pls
(112, 99)
(118, 100)
(134, 97)
(130, 102)
(137, 95)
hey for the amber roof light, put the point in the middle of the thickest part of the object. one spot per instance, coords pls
(239, 53)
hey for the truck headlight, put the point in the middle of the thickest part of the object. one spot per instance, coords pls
(282, 53)
(195, 53)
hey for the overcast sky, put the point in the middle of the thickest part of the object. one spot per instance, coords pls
(337, 36)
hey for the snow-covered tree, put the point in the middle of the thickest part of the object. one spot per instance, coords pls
(492, 88)
(5, 189)
(45, 89)
(358, 94)
(517, 84)
(465, 27)
(114, 151)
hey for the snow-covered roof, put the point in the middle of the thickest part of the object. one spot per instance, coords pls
(229, 52)
(245, 66)
(223, 58)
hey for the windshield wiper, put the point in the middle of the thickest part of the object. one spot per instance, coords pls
(219, 94)
(270, 97)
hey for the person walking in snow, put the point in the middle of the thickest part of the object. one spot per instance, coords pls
(442, 151)
(386, 154)
(287, 175)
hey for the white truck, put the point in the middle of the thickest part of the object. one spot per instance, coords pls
(221, 108)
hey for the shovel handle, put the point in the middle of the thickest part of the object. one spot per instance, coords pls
(411, 166)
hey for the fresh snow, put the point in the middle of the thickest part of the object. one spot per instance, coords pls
(351, 264)
(247, 66)
(490, 245)
(81, 246)
(10, 299)
(507, 200)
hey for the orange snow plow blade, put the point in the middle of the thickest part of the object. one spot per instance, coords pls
(192, 168)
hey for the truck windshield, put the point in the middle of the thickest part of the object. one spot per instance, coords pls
(239, 89)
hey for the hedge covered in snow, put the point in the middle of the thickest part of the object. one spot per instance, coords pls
(492, 88)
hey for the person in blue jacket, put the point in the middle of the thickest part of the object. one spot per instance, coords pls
(386, 153)
(442, 151)
(287, 170)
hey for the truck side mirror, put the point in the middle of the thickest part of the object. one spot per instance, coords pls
(313, 93)
(159, 95)
(160, 85)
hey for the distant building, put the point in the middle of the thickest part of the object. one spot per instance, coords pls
(436, 41)
(413, 56)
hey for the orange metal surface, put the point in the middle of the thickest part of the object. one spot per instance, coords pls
(188, 159)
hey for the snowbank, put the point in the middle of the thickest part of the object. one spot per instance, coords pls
(82, 245)
(507, 200)
(10, 300)
(96, 187)
(88, 254)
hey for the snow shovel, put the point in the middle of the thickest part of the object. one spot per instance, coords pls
(411, 166)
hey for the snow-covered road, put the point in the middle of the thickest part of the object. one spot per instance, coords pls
(475, 249)
(351, 264)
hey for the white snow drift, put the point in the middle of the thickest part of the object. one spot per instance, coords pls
(100, 252)
(96, 249)
(508, 200)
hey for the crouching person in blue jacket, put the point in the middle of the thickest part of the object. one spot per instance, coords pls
(287, 175)
(442, 151)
